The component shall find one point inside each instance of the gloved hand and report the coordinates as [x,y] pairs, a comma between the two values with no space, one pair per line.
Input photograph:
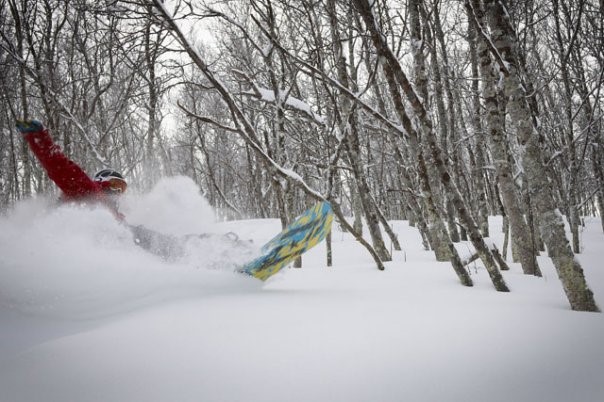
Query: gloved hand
[29,126]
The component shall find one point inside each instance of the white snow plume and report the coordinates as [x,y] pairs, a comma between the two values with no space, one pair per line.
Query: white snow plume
[174,206]
[77,261]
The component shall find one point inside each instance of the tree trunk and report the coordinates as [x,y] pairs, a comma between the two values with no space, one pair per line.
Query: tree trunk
[519,228]
[479,135]
[551,224]
[357,209]
[437,232]
[350,131]
[391,62]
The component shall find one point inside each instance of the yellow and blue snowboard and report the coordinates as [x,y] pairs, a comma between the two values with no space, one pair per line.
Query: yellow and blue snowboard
[308,230]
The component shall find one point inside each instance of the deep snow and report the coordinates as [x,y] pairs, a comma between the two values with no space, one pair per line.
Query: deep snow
[85,315]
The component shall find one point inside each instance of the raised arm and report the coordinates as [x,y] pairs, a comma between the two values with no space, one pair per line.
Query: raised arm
[67,175]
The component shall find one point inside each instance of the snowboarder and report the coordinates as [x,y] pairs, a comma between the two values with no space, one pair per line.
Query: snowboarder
[309,229]
[67,175]
[103,188]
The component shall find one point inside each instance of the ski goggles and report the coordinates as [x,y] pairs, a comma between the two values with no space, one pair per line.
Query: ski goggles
[114,185]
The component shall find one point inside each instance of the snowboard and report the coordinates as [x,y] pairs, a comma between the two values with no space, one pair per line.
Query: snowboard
[308,230]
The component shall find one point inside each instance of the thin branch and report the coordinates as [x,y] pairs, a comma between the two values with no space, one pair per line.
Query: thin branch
[207,119]
[55,98]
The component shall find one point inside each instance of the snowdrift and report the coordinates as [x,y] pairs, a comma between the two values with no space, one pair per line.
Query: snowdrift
[86,315]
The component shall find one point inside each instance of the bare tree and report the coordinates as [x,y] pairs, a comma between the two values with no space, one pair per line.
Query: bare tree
[551,225]
[495,123]
[365,10]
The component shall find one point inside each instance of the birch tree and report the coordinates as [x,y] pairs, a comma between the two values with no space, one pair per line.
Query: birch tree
[497,136]
[365,10]
[551,224]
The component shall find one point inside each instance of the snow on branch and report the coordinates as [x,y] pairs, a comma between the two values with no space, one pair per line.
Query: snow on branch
[268,96]
[245,128]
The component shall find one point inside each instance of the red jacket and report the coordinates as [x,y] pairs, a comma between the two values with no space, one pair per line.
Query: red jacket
[67,175]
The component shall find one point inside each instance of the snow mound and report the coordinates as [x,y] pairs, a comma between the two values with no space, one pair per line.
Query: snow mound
[74,260]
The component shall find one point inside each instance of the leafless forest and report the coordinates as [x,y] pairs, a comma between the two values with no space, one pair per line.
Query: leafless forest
[440,112]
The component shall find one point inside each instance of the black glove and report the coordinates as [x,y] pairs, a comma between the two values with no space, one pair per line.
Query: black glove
[29,126]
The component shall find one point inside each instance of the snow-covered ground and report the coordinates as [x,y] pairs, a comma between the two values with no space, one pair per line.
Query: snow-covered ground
[85,315]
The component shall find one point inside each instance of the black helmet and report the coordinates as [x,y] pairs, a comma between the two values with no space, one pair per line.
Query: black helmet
[111,180]
[107,174]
